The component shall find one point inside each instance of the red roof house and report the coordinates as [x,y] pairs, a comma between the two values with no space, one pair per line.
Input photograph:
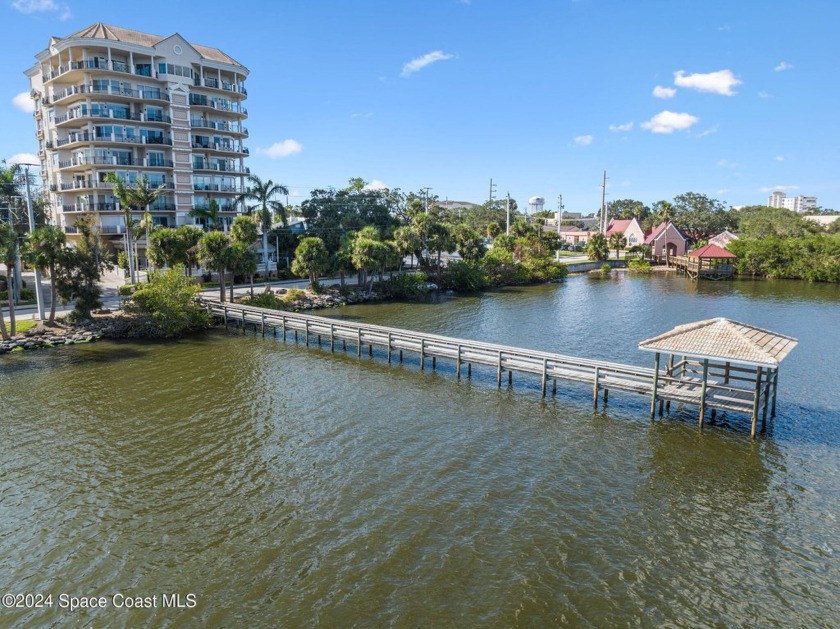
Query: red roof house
[629,228]
[666,240]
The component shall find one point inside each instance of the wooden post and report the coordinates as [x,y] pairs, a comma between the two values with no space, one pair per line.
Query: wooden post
[359,342]
[332,337]
[307,332]
[422,354]
[469,370]
[775,388]
[370,349]
[389,348]
[344,344]
[226,318]
[655,385]
[263,324]
[755,402]
[510,376]
[545,370]
[606,396]
[703,390]
[400,355]
[283,327]
[766,393]
[434,362]
[726,373]
[458,364]
[554,387]
[595,388]
[499,372]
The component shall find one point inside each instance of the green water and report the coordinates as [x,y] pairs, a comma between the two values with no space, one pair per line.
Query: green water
[287,487]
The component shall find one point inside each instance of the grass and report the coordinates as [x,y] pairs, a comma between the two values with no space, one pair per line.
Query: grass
[23,325]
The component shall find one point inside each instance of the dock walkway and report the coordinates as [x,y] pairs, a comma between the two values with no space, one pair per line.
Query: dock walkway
[677,382]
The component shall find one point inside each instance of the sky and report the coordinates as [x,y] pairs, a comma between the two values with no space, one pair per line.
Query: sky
[728,99]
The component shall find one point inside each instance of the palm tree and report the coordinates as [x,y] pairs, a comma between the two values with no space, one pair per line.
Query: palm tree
[8,256]
[617,241]
[45,245]
[215,252]
[123,193]
[210,215]
[262,193]
[143,195]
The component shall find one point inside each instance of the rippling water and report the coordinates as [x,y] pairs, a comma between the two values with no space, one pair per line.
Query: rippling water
[290,487]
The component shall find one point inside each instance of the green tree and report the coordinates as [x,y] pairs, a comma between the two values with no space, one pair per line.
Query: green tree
[243,261]
[757,221]
[190,236]
[123,194]
[244,232]
[79,270]
[143,195]
[597,247]
[311,259]
[8,256]
[407,241]
[368,254]
[167,248]
[169,300]
[698,216]
[470,244]
[262,194]
[617,241]
[627,209]
[46,245]
[215,252]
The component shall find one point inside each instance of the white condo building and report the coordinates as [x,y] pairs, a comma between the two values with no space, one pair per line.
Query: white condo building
[113,100]
[797,204]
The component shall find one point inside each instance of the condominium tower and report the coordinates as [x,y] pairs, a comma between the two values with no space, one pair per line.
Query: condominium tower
[797,204]
[113,100]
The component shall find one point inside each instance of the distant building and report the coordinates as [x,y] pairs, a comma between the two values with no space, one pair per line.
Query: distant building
[797,204]
[723,239]
[666,241]
[822,219]
[629,228]
[455,205]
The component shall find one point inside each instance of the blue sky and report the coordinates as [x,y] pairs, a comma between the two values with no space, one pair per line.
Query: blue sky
[728,98]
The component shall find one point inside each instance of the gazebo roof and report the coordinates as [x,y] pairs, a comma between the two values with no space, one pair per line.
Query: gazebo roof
[711,251]
[724,340]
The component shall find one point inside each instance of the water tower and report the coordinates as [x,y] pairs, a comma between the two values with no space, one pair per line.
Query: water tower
[535,204]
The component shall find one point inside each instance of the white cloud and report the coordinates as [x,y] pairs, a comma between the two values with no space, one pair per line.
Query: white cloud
[784,65]
[722,191]
[669,121]
[23,158]
[664,92]
[421,62]
[708,131]
[34,6]
[66,14]
[725,163]
[281,149]
[360,115]
[779,188]
[617,128]
[780,158]
[23,102]
[583,140]
[720,82]
[725,28]
[763,94]
[375,185]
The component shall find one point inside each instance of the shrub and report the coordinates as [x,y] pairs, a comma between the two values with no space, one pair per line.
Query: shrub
[265,300]
[127,289]
[168,301]
[404,286]
[639,266]
[606,268]
[293,295]
[465,276]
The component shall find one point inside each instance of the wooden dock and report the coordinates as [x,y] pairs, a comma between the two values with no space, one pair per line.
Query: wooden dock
[727,389]
[702,268]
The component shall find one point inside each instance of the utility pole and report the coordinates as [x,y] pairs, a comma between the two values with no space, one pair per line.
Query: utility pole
[425,192]
[603,221]
[38,294]
[559,211]
[492,190]
[507,211]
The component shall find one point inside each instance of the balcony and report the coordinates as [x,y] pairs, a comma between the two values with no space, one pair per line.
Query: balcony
[86,136]
[91,207]
[97,63]
[99,161]
[214,83]
[81,89]
[83,185]
[111,115]
[219,126]
[223,207]
[215,166]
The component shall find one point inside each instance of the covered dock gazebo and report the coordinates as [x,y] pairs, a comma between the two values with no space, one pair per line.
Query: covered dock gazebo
[711,262]
[722,365]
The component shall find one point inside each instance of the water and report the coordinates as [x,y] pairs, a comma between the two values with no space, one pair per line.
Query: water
[290,487]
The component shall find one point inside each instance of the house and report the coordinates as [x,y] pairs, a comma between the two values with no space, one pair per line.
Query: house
[629,228]
[723,239]
[666,241]
[572,234]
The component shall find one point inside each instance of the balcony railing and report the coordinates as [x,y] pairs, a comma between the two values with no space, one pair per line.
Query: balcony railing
[92,64]
[225,168]
[218,126]
[111,115]
[216,84]
[82,185]
[147,94]
[86,136]
[98,161]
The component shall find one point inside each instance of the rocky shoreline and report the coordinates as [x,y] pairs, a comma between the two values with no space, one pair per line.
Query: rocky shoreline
[49,336]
